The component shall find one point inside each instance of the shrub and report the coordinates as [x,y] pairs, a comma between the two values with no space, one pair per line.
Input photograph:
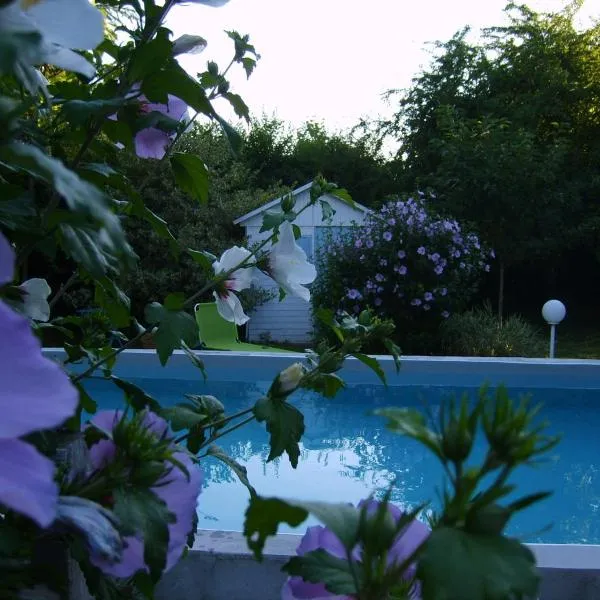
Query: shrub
[478,332]
[406,263]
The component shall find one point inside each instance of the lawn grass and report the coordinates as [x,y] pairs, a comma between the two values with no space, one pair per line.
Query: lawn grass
[577,342]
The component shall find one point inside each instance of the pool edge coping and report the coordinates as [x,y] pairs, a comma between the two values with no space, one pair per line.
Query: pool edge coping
[233,544]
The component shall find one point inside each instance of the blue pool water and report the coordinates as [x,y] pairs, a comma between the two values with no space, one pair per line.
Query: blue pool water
[346,453]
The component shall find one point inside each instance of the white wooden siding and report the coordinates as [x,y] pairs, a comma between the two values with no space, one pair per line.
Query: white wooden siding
[290,320]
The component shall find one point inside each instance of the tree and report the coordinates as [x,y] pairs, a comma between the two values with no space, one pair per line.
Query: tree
[508,131]
[275,152]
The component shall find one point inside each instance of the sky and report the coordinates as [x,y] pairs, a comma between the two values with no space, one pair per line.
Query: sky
[331,60]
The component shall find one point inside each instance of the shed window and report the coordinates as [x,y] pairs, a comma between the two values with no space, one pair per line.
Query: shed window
[306,243]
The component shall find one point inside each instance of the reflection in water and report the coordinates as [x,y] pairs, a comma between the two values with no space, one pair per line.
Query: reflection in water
[347,453]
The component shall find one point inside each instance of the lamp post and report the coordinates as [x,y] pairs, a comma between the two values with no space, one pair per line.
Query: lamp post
[554,312]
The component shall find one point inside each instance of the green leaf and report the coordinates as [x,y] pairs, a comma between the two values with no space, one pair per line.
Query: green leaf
[328,384]
[17,47]
[174,80]
[327,317]
[194,359]
[204,259]
[151,56]
[183,416]
[78,112]
[265,514]
[249,64]
[81,244]
[138,208]
[173,327]
[236,467]
[135,396]
[327,210]
[373,364]
[232,135]
[79,194]
[263,517]
[456,565]
[142,511]
[318,566]
[411,423]
[175,301]
[285,423]
[113,300]
[272,219]
[239,106]
[16,207]
[191,175]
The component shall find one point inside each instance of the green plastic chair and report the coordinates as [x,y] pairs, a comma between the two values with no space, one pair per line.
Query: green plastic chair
[218,334]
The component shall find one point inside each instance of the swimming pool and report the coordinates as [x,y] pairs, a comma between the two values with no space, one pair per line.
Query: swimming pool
[347,453]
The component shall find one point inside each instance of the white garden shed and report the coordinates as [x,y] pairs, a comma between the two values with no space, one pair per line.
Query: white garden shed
[290,320]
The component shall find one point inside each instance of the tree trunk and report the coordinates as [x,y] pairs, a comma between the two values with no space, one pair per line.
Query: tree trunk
[501,294]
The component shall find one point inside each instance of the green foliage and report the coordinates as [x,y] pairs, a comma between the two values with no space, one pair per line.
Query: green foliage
[405,263]
[479,332]
[285,423]
[505,568]
[507,131]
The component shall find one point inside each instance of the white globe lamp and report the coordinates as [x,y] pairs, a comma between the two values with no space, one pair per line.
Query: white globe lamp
[554,311]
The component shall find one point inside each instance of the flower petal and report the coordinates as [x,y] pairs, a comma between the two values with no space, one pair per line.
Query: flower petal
[189,44]
[94,522]
[35,393]
[7,261]
[27,481]
[69,23]
[151,143]
[231,258]
[68,60]
[213,3]
[181,496]
[35,301]
[230,308]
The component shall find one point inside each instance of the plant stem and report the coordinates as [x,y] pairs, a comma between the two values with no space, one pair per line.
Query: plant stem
[241,413]
[109,357]
[226,431]
[63,288]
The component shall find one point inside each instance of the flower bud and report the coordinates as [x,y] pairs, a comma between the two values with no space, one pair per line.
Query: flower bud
[288,380]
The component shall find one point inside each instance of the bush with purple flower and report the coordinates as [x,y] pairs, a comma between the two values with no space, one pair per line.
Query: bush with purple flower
[420,269]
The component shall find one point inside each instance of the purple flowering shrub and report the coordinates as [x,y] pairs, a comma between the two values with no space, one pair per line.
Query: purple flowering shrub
[405,263]
[318,537]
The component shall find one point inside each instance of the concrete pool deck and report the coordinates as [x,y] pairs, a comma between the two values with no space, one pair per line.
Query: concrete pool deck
[219,567]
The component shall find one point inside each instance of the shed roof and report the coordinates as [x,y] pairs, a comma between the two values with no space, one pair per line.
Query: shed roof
[257,211]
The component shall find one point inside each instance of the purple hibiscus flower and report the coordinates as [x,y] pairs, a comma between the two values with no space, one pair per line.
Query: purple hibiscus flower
[319,537]
[416,302]
[402,270]
[383,262]
[35,394]
[353,294]
[421,250]
[179,493]
[439,269]
[153,142]
[445,314]
[379,277]
[435,257]
[428,296]
[358,243]
[369,243]
[401,254]
[387,236]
